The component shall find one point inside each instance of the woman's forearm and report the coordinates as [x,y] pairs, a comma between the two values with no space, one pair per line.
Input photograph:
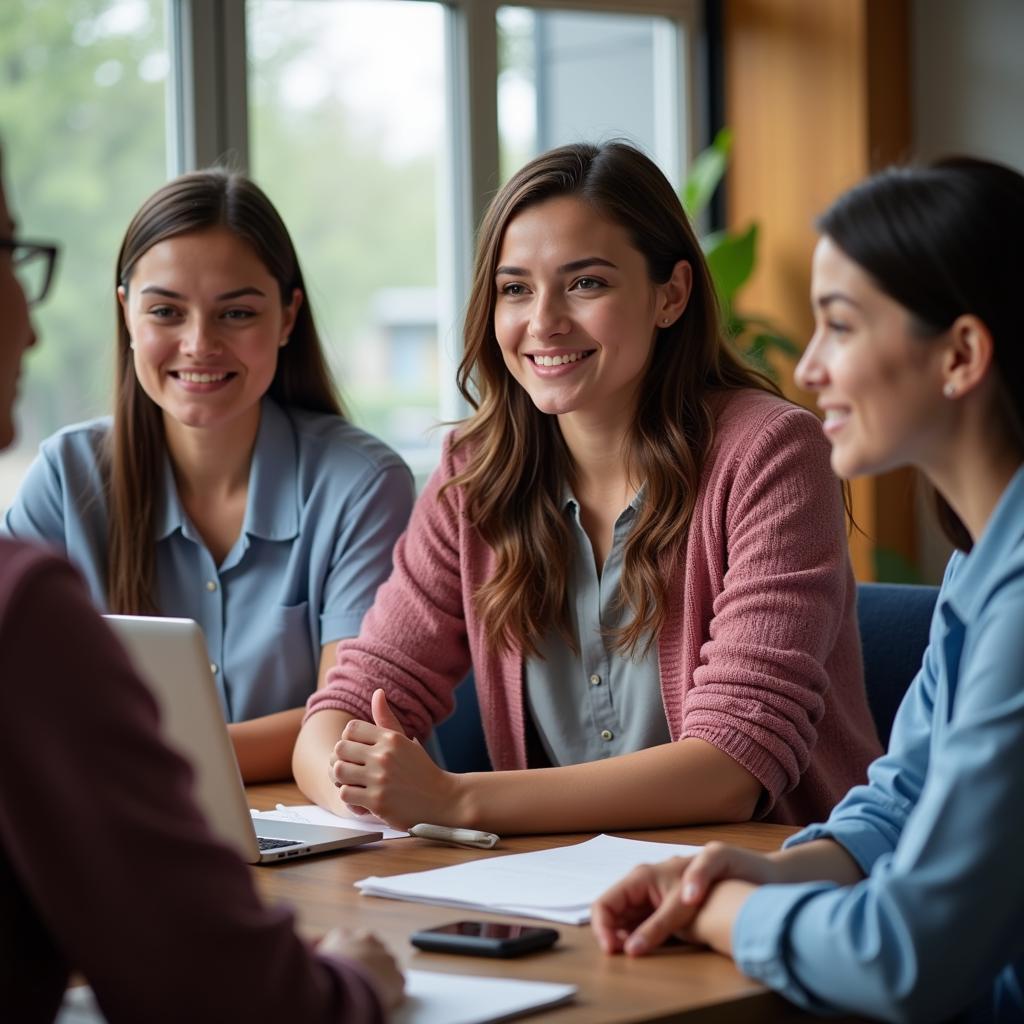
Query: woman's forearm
[678,783]
[263,746]
[311,759]
[822,860]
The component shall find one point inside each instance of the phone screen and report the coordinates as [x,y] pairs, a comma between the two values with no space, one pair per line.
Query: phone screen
[486,929]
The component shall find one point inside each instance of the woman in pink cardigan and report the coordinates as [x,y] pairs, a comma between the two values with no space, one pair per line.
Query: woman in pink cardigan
[634,542]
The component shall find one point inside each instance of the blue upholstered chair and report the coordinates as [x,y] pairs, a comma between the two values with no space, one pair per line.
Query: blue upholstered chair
[461,734]
[894,623]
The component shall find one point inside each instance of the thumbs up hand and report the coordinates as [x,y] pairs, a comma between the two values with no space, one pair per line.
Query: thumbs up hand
[380,769]
[383,716]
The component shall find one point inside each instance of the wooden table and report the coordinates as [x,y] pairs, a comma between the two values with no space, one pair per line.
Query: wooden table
[678,984]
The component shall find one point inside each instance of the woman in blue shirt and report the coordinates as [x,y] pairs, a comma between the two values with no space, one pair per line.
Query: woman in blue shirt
[228,487]
[908,903]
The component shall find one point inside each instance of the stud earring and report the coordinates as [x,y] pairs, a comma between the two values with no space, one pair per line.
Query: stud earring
[949,389]
[666,321]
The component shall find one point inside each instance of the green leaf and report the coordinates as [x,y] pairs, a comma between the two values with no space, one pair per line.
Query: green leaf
[730,260]
[755,357]
[705,173]
[766,340]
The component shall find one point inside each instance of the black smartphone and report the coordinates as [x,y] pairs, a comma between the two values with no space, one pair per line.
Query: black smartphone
[485,938]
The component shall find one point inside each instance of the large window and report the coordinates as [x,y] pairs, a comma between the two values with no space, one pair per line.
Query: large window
[380,128]
[82,126]
[347,134]
[578,75]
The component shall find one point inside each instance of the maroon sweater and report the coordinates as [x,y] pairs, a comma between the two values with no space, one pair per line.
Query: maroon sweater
[106,866]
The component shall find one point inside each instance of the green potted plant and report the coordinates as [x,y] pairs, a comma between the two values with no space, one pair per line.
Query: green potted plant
[731,258]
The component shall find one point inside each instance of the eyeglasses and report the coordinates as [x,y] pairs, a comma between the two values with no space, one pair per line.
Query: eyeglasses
[33,264]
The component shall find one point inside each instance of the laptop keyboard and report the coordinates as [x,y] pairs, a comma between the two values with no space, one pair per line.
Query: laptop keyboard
[274,844]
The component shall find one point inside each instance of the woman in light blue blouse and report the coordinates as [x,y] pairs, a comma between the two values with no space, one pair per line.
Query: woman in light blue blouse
[228,487]
[908,903]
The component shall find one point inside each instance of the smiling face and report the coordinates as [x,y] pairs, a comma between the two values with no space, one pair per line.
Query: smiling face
[878,383]
[576,313]
[206,321]
[16,333]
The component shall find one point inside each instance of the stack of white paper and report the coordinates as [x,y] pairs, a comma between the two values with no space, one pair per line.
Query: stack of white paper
[310,814]
[554,885]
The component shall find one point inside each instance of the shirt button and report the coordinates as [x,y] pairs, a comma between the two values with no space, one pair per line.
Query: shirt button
[595,680]
[607,734]
[213,667]
[211,585]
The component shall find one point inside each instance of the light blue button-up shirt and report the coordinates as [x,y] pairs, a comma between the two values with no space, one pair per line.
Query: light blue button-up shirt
[326,503]
[937,927]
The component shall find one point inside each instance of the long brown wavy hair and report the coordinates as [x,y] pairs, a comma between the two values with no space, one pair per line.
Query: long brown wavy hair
[517,459]
[135,453]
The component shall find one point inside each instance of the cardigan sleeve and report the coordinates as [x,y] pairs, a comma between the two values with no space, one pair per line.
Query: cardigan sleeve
[107,863]
[758,691]
[870,819]
[413,640]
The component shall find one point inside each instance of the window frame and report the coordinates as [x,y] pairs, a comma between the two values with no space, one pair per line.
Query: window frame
[207,116]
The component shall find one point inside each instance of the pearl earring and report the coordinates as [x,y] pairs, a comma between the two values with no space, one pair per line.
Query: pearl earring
[949,389]
[665,321]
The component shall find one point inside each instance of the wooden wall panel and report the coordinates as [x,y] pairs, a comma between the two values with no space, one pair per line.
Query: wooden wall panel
[817,93]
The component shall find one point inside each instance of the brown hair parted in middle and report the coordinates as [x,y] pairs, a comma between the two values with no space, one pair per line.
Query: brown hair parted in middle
[134,459]
[517,459]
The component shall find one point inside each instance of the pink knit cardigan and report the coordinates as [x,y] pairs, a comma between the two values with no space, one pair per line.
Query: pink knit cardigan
[759,653]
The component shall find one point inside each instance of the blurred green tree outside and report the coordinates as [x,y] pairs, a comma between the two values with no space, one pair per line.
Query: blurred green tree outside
[82,131]
[364,218]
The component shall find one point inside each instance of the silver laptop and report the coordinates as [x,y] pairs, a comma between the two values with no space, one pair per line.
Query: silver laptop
[170,656]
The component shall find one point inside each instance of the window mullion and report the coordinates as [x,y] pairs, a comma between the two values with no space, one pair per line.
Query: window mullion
[471,62]
[208,116]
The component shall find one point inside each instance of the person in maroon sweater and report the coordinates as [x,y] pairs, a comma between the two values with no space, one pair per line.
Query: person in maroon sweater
[107,867]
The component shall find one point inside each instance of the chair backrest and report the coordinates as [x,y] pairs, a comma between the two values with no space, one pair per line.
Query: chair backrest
[461,734]
[894,624]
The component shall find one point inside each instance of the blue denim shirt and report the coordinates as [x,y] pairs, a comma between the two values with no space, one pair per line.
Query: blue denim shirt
[326,504]
[937,927]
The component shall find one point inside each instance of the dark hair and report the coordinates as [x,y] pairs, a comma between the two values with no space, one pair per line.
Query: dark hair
[518,460]
[135,455]
[944,241]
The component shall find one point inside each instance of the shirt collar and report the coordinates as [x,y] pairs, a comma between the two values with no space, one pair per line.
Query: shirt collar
[571,504]
[271,511]
[999,550]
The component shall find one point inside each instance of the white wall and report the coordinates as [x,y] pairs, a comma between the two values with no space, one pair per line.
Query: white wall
[967,81]
[968,78]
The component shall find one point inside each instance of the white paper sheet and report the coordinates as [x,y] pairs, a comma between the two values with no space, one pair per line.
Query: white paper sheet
[553,885]
[310,814]
[430,998]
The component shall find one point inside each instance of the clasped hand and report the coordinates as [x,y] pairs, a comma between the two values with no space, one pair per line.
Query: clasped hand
[379,770]
[692,898]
